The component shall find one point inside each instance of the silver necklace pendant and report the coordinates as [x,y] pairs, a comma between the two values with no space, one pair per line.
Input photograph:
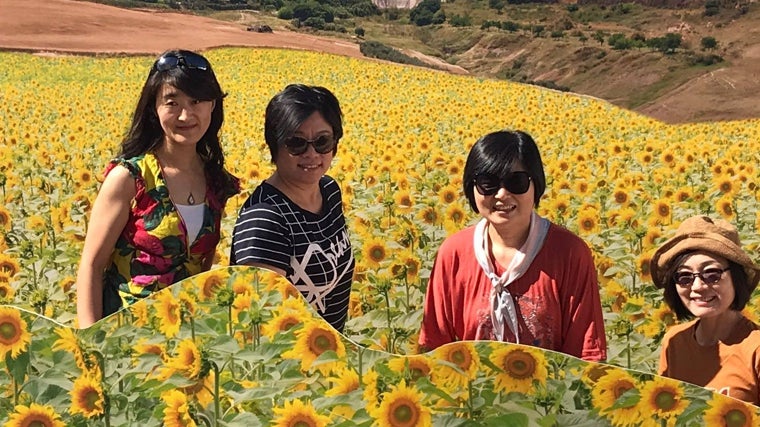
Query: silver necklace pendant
[190,199]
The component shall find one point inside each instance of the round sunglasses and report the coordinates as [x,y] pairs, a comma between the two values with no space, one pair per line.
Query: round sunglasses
[172,60]
[323,144]
[514,182]
[710,276]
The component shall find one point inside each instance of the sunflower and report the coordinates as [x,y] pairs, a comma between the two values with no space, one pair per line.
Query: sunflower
[214,281]
[355,305]
[5,219]
[403,200]
[465,360]
[725,186]
[428,215]
[298,414]
[620,196]
[200,390]
[725,207]
[87,397]
[6,291]
[345,381]
[605,394]
[188,360]
[36,223]
[14,338]
[448,194]
[281,323]
[519,368]
[168,313]
[314,339]
[662,211]
[588,220]
[139,311]
[374,252]
[177,411]
[413,367]
[402,407]
[663,397]
[371,392]
[724,411]
[34,415]
[456,214]
[9,265]
[241,304]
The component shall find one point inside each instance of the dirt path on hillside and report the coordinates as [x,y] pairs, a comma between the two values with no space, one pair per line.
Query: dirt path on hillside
[69,26]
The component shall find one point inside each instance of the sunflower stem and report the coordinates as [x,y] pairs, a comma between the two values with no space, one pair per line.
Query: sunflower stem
[216,392]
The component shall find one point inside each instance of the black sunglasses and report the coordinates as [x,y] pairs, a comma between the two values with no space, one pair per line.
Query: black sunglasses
[189,60]
[322,145]
[710,276]
[514,182]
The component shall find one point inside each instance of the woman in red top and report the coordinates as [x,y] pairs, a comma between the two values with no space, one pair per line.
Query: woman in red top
[513,276]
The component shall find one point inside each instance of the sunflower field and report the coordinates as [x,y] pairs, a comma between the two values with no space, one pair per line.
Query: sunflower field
[620,180]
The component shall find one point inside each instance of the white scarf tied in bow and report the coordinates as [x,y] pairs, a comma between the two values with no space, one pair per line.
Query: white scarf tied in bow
[504,312]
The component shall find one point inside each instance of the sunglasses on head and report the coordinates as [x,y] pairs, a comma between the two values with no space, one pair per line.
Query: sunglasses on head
[514,182]
[710,276]
[173,60]
[322,145]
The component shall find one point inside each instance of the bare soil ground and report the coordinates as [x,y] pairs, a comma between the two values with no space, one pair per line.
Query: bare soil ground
[69,26]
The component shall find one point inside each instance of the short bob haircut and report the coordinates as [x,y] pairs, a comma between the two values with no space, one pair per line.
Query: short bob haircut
[742,289]
[499,153]
[291,107]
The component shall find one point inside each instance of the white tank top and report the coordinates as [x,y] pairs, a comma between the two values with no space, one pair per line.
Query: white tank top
[192,215]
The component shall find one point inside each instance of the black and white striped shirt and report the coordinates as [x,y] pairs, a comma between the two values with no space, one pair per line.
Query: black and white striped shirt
[313,249]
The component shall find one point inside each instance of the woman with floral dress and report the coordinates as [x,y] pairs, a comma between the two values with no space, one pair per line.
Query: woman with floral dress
[157,215]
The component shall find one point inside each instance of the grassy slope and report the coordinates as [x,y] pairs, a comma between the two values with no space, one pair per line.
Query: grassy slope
[635,79]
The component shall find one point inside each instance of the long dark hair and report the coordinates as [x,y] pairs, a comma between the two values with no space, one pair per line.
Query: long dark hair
[145,133]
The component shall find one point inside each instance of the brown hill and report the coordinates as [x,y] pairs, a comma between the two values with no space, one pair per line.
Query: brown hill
[723,92]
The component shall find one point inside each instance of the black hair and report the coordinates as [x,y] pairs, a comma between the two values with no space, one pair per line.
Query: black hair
[496,154]
[145,133]
[742,290]
[288,109]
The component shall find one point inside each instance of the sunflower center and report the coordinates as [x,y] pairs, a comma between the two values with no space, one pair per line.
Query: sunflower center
[621,387]
[520,365]
[403,413]
[665,400]
[91,398]
[321,342]
[302,422]
[735,418]
[7,331]
[377,253]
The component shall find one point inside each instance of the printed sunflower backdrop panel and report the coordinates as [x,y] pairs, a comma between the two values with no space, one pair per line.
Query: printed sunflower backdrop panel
[239,346]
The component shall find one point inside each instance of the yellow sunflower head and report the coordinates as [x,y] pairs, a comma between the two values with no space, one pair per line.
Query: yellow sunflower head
[374,252]
[34,415]
[296,413]
[345,381]
[519,368]
[402,406]
[177,410]
[663,397]
[168,313]
[87,397]
[14,337]
[313,340]
[724,411]
[413,367]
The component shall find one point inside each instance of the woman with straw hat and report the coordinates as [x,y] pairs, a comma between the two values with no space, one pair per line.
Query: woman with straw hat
[707,278]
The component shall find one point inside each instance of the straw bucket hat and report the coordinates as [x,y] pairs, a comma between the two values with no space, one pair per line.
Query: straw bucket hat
[700,232]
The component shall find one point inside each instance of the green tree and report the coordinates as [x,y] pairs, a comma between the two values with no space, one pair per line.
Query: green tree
[359,31]
[709,43]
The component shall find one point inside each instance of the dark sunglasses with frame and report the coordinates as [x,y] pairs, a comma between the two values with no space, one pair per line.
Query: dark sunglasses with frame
[190,61]
[297,145]
[709,276]
[514,182]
